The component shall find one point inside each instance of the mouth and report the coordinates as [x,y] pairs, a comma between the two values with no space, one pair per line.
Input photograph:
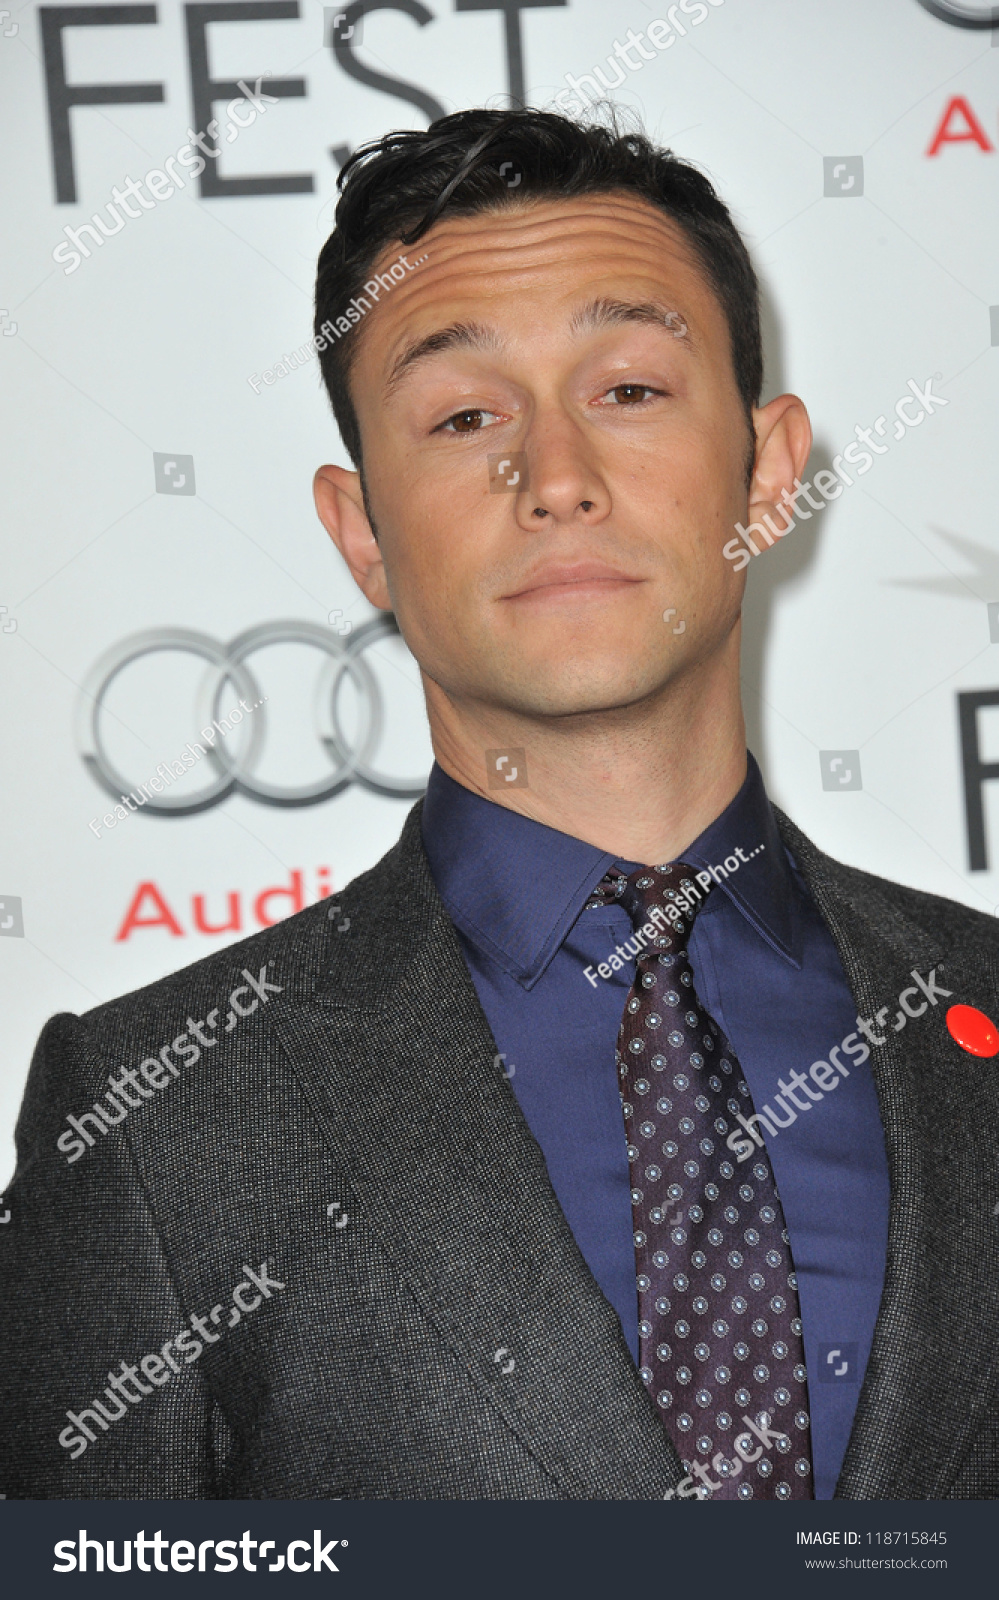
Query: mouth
[582,580]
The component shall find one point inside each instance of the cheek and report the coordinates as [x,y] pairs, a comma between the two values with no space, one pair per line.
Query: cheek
[673,499]
[427,558]
[691,459]
[710,488]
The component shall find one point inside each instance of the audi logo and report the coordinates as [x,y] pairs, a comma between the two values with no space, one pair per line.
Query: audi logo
[233,765]
[964,13]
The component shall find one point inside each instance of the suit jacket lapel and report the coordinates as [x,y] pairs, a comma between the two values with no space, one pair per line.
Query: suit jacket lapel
[397,1061]
[932,1366]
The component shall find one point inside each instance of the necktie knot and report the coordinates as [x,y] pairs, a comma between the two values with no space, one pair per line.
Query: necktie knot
[662,900]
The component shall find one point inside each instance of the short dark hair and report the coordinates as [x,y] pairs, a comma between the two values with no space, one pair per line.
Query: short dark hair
[397,187]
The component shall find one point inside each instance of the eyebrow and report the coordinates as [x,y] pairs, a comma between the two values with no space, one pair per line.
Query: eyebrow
[459,336]
[603,313]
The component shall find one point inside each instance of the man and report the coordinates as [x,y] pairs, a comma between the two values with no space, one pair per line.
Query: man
[610,1140]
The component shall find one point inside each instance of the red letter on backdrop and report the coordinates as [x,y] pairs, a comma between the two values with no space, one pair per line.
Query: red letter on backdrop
[973,129]
[296,894]
[166,918]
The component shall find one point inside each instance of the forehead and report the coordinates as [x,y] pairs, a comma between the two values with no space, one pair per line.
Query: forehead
[531,264]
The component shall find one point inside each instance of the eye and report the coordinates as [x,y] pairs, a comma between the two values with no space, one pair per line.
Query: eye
[471,421]
[630,394]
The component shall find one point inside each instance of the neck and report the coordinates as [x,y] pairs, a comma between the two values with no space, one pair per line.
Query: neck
[640,782]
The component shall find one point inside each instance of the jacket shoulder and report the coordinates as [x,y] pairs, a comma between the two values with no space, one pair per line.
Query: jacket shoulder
[291,952]
[896,905]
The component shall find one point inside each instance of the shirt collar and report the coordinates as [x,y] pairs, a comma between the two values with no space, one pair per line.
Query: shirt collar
[763,888]
[514,887]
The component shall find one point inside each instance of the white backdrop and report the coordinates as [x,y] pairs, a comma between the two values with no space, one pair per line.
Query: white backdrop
[862,627]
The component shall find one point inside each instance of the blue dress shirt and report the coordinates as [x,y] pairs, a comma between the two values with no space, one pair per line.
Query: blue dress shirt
[765,968]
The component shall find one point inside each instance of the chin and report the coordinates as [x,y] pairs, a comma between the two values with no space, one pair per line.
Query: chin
[560,688]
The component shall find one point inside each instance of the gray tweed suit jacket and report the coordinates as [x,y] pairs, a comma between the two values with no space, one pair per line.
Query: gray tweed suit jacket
[446,1340]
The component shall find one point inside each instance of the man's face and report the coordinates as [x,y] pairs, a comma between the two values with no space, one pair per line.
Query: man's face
[578,340]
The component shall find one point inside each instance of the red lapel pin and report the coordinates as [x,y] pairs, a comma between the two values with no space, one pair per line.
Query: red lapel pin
[973,1031]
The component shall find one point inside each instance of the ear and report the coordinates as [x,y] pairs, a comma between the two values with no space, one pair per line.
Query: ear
[340,505]
[783,445]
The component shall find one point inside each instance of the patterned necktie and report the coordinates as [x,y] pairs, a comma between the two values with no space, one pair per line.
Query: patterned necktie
[721,1351]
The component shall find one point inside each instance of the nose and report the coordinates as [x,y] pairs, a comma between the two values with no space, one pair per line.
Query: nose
[564,485]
